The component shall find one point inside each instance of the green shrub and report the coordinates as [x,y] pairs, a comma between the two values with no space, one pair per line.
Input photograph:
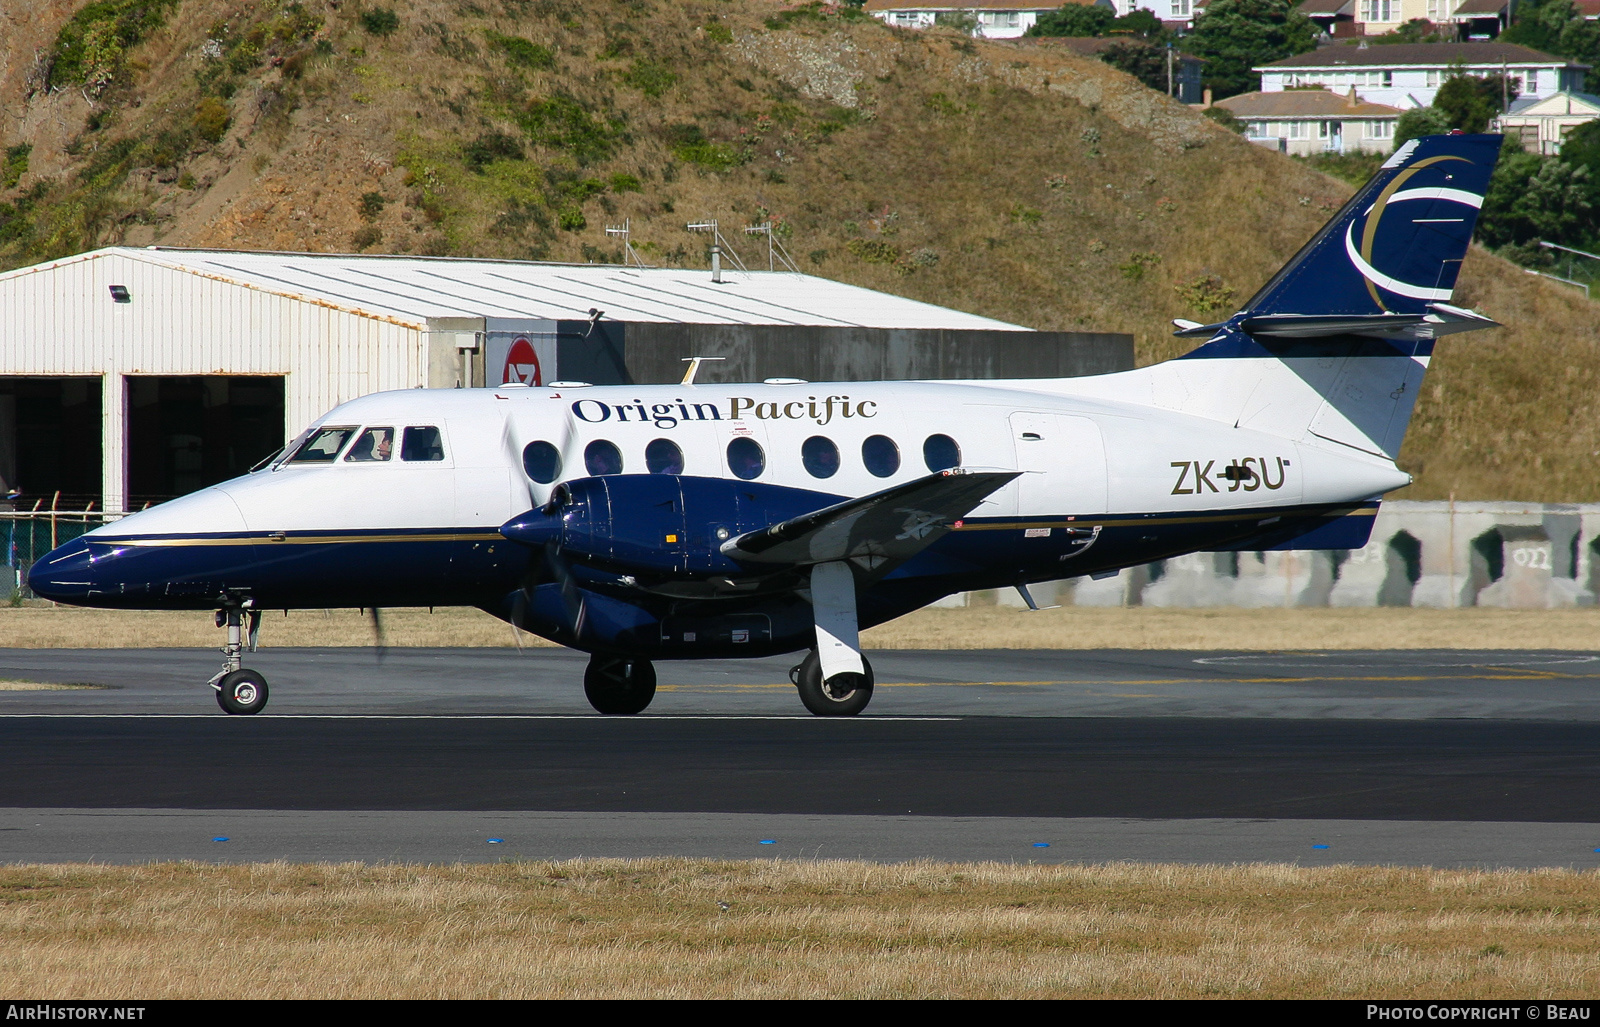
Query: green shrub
[874,251]
[15,165]
[371,206]
[942,104]
[719,33]
[690,145]
[211,119]
[89,49]
[522,52]
[561,123]
[1025,215]
[571,219]
[380,21]
[364,237]
[1138,264]
[649,78]
[490,147]
[1205,294]
[622,182]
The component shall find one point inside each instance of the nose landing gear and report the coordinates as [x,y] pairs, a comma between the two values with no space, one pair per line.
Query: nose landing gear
[618,684]
[239,691]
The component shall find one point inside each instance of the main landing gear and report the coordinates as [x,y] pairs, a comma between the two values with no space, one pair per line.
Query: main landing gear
[619,684]
[239,691]
[845,694]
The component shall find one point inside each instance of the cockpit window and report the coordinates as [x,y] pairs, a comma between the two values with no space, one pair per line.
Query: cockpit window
[374,445]
[323,446]
[422,444]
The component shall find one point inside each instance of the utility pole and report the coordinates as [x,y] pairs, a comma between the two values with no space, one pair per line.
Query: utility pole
[1169,69]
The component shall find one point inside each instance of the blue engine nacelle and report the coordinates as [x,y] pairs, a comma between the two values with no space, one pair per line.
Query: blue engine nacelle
[658,524]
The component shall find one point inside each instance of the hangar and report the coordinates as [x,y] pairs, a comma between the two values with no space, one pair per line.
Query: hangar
[132,375]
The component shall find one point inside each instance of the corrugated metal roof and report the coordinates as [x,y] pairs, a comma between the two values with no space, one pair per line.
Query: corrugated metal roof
[417,288]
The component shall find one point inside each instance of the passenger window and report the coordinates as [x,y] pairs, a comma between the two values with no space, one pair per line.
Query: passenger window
[820,456]
[375,444]
[322,447]
[745,458]
[941,452]
[422,444]
[662,456]
[601,457]
[542,461]
[881,455]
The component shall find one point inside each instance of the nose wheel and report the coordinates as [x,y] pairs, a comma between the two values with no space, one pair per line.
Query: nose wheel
[617,684]
[845,694]
[239,691]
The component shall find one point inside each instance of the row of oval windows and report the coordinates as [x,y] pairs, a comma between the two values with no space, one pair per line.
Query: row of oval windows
[879,454]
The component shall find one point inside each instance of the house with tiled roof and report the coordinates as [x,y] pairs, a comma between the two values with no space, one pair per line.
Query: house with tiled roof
[1408,75]
[1308,121]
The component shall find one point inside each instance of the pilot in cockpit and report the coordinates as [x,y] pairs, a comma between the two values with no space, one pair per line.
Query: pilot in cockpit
[375,444]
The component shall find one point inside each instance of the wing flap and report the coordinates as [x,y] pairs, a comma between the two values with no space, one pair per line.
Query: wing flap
[876,531]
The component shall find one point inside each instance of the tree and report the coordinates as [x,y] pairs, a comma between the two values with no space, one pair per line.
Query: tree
[1462,102]
[1234,36]
[1144,62]
[1420,121]
[1532,198]
[1582,147]
[1074,20]
[1554,26]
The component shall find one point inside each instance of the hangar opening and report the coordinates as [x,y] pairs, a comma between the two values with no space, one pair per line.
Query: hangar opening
[187,432]
[50,442]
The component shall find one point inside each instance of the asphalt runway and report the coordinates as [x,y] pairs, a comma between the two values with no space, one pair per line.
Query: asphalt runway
[1442,758]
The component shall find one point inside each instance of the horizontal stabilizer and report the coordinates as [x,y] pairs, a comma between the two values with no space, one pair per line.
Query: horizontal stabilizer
[876,531]
[1440,319]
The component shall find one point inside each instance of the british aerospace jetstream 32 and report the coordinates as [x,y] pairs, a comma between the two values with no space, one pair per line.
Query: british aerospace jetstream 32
[642,523]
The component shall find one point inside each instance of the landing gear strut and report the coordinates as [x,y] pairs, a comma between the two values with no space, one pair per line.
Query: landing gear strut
[843,695]
[619,684]
[238,690]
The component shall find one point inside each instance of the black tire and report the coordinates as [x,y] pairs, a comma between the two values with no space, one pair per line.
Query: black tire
[618,684]
[243,692]
[843,695]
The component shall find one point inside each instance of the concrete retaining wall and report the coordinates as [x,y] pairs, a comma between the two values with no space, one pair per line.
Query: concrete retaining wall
[1527,556]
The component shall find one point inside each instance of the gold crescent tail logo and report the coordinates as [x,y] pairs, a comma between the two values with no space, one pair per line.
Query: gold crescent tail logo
[1370,231]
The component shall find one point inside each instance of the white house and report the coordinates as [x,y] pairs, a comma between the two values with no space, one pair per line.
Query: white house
[1408,75]
[1543,123]
[997,19]
[1308,121]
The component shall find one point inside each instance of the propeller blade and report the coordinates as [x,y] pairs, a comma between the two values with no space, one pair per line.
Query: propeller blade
[377,633]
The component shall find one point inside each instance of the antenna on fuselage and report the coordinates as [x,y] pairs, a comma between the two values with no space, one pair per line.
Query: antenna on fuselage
[694,368]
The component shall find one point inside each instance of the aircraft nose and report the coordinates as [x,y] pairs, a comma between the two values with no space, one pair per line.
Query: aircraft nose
[65,574]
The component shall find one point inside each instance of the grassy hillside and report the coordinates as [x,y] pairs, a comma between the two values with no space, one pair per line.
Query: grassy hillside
[1016,181]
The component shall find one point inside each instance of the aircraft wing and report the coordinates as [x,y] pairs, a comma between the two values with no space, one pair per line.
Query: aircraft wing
[875,532]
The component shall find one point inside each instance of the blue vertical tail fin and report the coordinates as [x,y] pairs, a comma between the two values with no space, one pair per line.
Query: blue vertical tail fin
[1397,246]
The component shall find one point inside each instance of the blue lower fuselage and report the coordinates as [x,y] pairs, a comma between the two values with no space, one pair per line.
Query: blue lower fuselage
[598,609]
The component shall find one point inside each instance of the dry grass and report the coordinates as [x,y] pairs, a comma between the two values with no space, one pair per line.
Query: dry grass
[1079,627]
[653,928]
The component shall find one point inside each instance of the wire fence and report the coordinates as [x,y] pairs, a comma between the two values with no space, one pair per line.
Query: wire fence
[30,534]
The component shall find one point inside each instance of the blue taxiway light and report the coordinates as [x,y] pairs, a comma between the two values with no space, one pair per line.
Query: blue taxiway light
[496,841]
[1041,845]
[769,841]
[224,839]
[1319,846]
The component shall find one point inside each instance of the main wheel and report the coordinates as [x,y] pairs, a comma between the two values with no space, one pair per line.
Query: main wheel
[242,692]
[843,695]
[618,684]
